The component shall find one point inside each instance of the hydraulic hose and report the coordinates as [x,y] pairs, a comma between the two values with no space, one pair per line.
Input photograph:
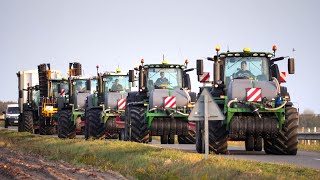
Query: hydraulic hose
[273,109]
[230,102]
[277,84]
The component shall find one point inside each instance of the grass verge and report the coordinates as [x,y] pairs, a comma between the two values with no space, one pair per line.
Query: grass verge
[146,162]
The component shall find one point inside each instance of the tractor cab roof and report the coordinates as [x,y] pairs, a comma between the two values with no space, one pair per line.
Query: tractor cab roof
[246,54]
[176,66]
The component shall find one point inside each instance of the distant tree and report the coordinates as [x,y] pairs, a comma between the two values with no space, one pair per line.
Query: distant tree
[309,119]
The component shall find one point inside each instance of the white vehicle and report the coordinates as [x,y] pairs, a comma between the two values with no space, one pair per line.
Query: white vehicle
[12,114]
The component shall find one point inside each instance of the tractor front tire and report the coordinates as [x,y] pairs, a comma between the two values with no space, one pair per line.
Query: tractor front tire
[66,127]
[95,128]
[46,129]
[218,137]
[20,123]
[199,137]
[139,128]
[187,139]
[27,121]
[286,142]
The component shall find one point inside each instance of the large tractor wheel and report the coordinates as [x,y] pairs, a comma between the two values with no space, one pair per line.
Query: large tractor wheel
[187,139]
[66,127]
[27,121]
[218,137]
[20,123]
[286,142]
[139,128]
[95,128]
[199,137]
[46,129]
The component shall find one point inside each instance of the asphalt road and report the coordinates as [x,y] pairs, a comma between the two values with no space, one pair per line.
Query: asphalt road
[303,158]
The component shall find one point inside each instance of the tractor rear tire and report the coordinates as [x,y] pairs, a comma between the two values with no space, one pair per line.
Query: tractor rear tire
[95,128]
[187,139]
[139,128]
[249,143]
[218,137]
[258,144]
[286,142]
[199,137]
[27,121]
[66,127]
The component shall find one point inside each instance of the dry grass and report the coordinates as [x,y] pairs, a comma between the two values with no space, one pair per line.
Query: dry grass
[145,162]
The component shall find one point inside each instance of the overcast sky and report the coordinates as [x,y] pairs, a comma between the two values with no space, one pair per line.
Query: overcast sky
[112,33]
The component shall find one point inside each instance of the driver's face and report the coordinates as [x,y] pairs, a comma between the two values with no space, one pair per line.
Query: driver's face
[162,75]
[243,66]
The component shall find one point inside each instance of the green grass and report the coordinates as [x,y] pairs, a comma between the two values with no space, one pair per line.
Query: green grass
[142,161]
[311,147]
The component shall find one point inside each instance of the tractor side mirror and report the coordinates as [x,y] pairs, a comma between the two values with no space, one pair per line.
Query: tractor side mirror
[291,65]
[275,72]
[186,81]
[59,88]
[88,85]
[131,75]
[20,94]
[199,67]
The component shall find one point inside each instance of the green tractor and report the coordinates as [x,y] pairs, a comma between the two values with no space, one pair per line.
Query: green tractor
[257,109]
[106,108]
[161,105]
[29,111]
[71,107]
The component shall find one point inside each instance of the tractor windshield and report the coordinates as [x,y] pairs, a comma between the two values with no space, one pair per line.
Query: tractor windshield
[164,78]
[94,84]
[36,96]
[254,68]
[54,88]
[80,85]
[117,83]
[54,91]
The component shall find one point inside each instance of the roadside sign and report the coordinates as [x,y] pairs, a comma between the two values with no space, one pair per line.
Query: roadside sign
[205,77]
[214,112]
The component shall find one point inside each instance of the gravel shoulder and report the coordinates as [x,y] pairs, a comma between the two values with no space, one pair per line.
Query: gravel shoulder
[17,165]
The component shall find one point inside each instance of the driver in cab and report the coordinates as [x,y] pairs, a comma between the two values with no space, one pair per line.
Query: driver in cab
[243,72]
[162,81]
